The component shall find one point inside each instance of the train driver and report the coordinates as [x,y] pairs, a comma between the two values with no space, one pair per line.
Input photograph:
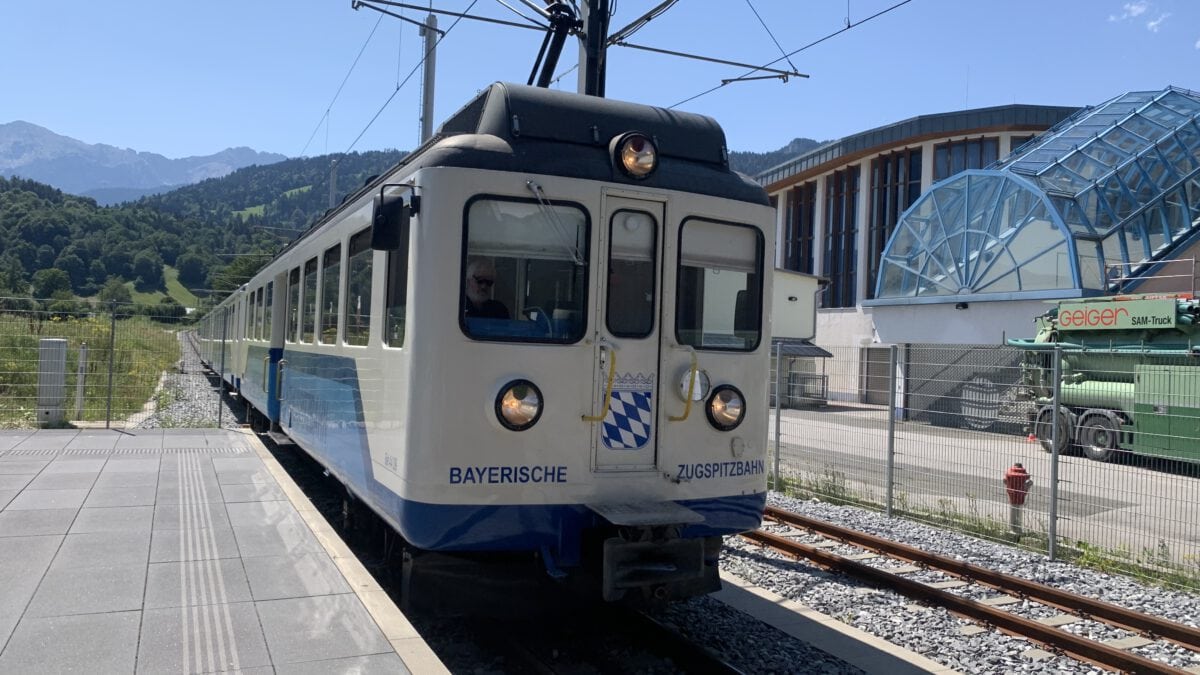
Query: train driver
[481,278]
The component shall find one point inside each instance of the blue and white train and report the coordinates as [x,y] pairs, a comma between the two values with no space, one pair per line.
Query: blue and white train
[604,414]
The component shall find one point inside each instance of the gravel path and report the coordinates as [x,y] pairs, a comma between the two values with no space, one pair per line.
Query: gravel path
[190,400]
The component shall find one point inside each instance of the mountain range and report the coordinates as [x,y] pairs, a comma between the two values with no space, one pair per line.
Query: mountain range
[111,175]
[106,173]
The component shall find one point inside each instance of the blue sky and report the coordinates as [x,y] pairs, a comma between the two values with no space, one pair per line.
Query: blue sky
[184,79]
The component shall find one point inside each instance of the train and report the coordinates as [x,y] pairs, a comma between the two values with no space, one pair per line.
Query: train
[539,338]
[1129,376]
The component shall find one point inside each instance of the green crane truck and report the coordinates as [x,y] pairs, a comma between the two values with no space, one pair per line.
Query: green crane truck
[1129,376]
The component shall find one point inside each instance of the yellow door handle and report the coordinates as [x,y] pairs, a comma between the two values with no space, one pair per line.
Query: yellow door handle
[612,372]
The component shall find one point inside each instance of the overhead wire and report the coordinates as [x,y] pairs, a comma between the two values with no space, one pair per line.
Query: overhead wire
[772,35]
[848,26]
[345,79]
[407,78]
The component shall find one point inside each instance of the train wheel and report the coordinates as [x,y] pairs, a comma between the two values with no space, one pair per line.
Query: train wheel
[1042,428]
[1098,435]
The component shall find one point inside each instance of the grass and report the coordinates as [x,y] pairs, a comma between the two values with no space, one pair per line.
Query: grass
[140,298]
[141,351]
[296,191]
[252,211]
[176,290]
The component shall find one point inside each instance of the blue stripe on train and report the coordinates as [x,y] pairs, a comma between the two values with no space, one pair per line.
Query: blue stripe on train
[322,410]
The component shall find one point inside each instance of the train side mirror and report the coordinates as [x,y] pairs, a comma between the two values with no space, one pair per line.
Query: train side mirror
[389,222]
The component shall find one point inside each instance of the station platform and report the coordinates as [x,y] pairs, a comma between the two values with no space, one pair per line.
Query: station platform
[179,550]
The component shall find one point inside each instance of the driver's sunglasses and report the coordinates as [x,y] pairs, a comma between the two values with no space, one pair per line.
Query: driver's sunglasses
[484,281]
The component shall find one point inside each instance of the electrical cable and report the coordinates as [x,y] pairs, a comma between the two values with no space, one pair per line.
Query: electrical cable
[339,89]
[772,35]
[791,54]
[408,77]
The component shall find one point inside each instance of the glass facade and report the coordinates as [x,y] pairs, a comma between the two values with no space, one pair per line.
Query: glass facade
[841,237]
[801,209]
[1099,197]
[895,185]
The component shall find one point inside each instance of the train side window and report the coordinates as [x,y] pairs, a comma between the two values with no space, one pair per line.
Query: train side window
[310,301]
[331,268]
[293,305]
[268,295]
[257,333]
[718,301]
[358,288]
[524,271]
[397,293]
[632,244]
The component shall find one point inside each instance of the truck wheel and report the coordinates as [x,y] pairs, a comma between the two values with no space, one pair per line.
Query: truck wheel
[1098,435]
[1042,428]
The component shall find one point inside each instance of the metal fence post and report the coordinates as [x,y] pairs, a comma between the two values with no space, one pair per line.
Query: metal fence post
[1054,445]
[891,439]
[778,414]
[80,379]
[112,356]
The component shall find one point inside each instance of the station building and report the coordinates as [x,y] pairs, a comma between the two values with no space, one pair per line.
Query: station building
[957,228]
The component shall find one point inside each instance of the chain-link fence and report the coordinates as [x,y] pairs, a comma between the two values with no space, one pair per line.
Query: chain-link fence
[78,364]
[1109,442]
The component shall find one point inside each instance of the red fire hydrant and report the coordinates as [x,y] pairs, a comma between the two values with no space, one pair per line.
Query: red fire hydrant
[1017,483]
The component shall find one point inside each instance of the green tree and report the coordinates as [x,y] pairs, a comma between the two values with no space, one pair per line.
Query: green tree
[147,268]
[115,290]
[192,271]
[73,265]
[51,283]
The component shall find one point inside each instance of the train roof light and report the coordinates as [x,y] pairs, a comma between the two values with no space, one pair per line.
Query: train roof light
[636,154]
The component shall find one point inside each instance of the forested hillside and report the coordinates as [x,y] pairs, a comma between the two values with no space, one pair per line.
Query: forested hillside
[206,235]
[53,244]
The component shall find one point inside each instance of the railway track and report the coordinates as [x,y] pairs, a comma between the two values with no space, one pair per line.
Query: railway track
[990,612]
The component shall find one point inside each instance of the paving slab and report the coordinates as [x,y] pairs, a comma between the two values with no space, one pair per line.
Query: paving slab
[204,638]
[91,643]
[112,519]
[179,551]
[24,523]
[9,439]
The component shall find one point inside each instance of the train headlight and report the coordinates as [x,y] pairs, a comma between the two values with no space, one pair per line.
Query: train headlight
[636,154]
[726,407]
[519,405]
[699,388]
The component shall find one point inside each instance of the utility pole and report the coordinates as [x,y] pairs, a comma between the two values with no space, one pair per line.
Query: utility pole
[594,47]
[333,183]
[430,32]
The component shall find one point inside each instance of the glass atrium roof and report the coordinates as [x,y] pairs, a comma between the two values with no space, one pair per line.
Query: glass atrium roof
[1100,196]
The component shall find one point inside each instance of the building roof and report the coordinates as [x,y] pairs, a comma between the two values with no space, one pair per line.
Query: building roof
[915,129]
[1100,196]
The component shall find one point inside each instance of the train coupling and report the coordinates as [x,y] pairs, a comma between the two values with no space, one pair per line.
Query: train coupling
[648,557]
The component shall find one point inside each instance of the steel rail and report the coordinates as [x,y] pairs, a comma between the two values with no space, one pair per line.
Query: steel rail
[1080,605]
[1079,647]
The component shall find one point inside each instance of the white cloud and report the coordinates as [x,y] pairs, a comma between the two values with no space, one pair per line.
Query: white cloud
[1197,44]
[1154,25]
[1132,10]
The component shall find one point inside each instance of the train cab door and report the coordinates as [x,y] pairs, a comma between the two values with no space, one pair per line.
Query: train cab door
[629,321]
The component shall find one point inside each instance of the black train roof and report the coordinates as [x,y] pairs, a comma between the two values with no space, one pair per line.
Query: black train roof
[510,127]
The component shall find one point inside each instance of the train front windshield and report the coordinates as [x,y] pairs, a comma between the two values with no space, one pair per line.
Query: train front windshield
[525,272]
